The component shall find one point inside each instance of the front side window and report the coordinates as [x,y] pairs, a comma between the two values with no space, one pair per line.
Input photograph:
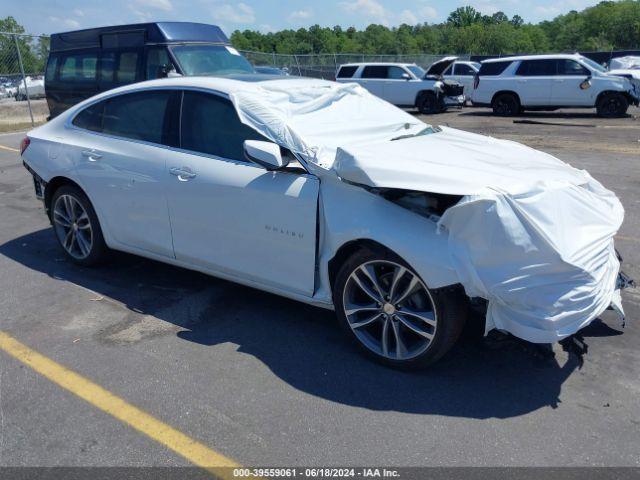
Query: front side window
[463,69]
[395,73]
[211,125]
[210,60]
[157,62]
[571,67]
[374,71]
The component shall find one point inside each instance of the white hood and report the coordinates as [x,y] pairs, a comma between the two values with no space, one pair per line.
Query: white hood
[453,162]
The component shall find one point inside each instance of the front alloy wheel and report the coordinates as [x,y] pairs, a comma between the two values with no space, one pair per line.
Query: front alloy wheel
[389,310]
[391,313]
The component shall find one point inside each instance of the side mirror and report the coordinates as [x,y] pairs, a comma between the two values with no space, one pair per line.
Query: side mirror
[406,76]
[586,83]
[265,154]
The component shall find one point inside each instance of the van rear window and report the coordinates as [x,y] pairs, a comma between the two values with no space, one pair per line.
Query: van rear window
[493,68]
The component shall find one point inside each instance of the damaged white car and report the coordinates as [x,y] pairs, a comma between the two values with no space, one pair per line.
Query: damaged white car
[324,193]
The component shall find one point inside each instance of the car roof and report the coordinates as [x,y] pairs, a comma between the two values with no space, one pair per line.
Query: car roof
[383,64]
[534,57]
[227,84]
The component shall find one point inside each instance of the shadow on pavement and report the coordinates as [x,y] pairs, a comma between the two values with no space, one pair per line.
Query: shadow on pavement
[531,115]
[304,347]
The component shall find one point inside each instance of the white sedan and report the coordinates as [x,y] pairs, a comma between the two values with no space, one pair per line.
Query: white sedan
[324,193]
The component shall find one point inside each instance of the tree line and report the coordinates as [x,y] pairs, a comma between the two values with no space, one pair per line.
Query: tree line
[607,26]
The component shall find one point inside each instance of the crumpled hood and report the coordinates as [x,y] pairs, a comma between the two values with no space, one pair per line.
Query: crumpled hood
[453,162]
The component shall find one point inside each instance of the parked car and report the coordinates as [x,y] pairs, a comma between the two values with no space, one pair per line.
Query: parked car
[548,82]
[461,71]
[34,88]
[346,202]
[85,62]
[404,84]
[270,70]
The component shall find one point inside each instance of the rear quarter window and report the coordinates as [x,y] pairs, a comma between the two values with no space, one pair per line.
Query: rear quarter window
[493,68]
[346,72]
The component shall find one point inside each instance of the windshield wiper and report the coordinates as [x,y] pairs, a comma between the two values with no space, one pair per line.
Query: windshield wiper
[424,131]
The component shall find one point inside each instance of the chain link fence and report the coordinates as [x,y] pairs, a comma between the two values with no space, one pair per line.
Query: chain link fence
[22,63]
[324,65]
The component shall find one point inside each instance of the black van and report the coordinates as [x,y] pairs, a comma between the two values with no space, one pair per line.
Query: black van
[86,62]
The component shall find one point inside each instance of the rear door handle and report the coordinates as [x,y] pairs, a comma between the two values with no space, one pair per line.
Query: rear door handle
[183,173]
[91,155]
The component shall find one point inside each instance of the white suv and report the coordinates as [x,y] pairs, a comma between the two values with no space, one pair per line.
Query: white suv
[547,82]
[404,85]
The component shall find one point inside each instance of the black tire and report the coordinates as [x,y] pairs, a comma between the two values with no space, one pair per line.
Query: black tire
[98,250]
[506,105]
[450,307]
[612,104]
[429,103]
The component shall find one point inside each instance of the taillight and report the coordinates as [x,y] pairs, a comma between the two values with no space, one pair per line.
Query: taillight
[24,144]
[476,81]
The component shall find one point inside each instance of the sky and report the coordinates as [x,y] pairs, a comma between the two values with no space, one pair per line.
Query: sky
[50,16]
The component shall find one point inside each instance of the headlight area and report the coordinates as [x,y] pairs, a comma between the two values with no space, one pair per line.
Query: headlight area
[429,205]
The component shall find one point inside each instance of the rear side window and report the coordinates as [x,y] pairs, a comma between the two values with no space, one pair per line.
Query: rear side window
[374,71]
[211,125]
[147,116]
[79,68]
[346,72]
[536,68]
[90,118]
[493,68]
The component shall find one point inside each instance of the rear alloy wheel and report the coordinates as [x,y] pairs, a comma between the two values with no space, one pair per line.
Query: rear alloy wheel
[76,226]
[612,104]
[389,311]
[506,105]
[429,103]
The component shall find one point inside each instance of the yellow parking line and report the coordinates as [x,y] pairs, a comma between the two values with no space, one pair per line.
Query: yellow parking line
[9,148]
[192,450]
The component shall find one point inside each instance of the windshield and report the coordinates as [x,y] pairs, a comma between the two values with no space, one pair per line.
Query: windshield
[596,66]
[416,70]
[210,60]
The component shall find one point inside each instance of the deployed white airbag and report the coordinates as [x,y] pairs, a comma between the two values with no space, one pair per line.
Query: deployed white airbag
[543,259]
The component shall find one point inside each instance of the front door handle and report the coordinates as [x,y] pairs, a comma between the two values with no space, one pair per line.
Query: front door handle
[91,155]
[183,173]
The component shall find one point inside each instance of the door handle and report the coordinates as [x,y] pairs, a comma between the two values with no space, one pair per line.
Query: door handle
[183,173]
[91,155]
[558,80]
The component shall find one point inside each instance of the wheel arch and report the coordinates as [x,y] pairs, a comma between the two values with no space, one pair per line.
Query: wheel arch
[501,92]
[423,92]
[619,92]
[349,248]
[54,184]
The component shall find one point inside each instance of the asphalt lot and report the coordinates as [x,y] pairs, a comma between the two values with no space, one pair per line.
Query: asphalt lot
[268,381]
